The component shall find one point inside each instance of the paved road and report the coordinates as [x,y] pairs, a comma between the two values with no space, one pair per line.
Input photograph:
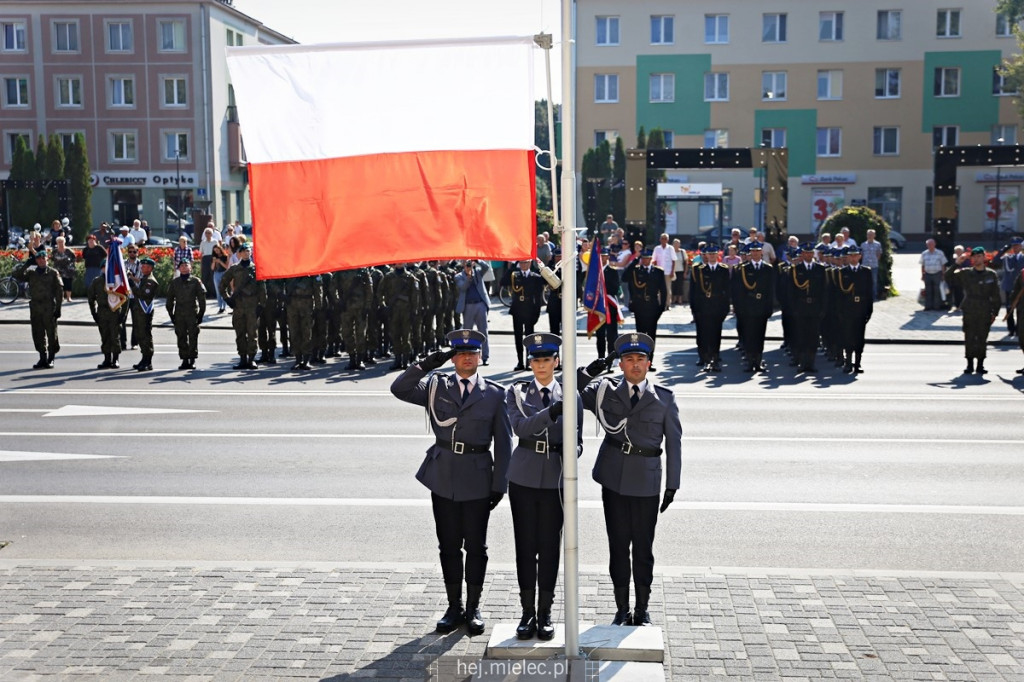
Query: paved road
[831,526]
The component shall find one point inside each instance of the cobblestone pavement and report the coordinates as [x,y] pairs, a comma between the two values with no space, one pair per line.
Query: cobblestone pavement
[130,621]
[898,319]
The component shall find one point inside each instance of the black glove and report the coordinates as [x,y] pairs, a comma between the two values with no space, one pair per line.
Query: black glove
[436,359]
[555,411]
[496,499]
[598,366]
[667,500]
[230,300]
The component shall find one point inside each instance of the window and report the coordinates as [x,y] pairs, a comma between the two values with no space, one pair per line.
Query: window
[999,84]
[716,137]
[887,83]
[122,91]
[947,82]
[234,38]
[67,139]
[662,30]
[119,36]
[14,36]
[830,26]
[122,146]
[11,142]
[830,141]
[174,92]
[65,36]
[172,35]
[773,137]
[16,91]
[606,87]
[773,85]
[830,84]
[1006,133]
[175,146]
[945,136]
[663,87]
[890,25]
[607,30]
[1004,29]
[69,91]
[888,203]
[716,28]
[606,135]
[773,28]
[947,23]
[670,139]
[886,141]
[716,87]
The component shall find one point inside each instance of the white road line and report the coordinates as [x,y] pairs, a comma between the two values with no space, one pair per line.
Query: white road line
[394,436]
[18,456]
[799,507]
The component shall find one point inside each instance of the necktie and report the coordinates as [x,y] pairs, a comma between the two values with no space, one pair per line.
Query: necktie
[636,396]
[465,389]
[545,396]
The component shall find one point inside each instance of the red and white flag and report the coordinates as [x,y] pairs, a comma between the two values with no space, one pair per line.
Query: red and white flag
[381,153]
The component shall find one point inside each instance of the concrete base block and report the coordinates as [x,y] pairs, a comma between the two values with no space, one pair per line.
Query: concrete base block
[598,642]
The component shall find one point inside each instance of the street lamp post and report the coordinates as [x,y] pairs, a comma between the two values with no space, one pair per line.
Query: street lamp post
[760,191]
[177,182]
[999,203]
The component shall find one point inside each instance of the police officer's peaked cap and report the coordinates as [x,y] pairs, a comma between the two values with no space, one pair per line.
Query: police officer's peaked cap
[634,342]
[755,246]
[147,261]
[647,253]
[604,251]
[1017,240]
[468,340]
[542,345]
[808,246]
[977,249]
[852,249]
[710,248]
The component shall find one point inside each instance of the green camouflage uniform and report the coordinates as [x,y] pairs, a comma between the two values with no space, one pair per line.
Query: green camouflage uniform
[248,297]
[108,321]
[980,306]
[46,292]
[399,296]
[186,305]
[302,297]
[355,300]
[143,293]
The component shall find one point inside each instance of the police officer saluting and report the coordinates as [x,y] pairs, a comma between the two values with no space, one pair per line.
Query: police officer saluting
[980,306]
[535,483]
[637,417]
[467,414]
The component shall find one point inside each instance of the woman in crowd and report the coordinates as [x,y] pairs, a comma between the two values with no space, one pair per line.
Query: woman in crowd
[94,256]
[681,284]
[220,264]
[64,264]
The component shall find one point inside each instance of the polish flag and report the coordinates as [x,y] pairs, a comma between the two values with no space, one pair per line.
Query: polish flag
[382,153]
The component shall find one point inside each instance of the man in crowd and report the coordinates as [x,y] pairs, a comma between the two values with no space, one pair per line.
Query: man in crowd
[933,269]
[664,256]
[472,302]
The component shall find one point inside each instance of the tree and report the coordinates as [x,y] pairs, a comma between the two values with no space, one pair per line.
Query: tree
[641,139]
[619,180]
[860,219]
[24,202]
[53,170]
[76,170]
[1012,68]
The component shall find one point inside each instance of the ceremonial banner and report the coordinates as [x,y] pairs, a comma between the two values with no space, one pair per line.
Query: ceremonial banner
[387,152]
[118,291]
[598,303]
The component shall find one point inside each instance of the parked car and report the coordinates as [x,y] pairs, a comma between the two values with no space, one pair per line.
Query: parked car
[716,234]
[177,225]
[897,240]
[154,240]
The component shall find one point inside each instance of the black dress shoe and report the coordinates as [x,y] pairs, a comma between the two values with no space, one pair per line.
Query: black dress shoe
[716,366]
[474,622]
[527,625]
[183,365]
[1020,371]
[641,617]
[545,630]
[969,369]
[452,619]
[623,617]
[519,368]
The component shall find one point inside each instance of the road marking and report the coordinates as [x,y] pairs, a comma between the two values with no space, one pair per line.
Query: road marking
[394,436]
[17,456]
[104,411]
[800,507]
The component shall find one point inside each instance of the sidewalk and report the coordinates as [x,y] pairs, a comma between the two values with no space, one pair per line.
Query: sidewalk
[147,620]
[895,320]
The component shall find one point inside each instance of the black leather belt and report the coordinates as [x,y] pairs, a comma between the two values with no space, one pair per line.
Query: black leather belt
[460,448]
[628,449]
[540,446]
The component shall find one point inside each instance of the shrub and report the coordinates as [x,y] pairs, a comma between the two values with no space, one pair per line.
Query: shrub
[860,219]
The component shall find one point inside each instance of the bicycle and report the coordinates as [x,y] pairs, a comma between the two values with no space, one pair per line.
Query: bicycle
[10,287]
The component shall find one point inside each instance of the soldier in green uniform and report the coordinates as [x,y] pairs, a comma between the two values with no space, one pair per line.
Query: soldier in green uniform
[247,297]
[108,321]
[46,291]
[980,306]
[186,305]
[323,300]
[374,325]
[430,301]
[1015,304]
[335,342]
[272,312]
[144,288]
[355,299]
[855,295]
[302,296]
[399,295]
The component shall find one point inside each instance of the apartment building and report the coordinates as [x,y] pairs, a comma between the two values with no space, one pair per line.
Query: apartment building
[146,82]
[860,93]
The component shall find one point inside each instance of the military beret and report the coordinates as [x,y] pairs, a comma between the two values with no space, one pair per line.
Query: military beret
[542,345]
[147,261]
[186,261]
[468,340]
[634,342]
[710,248]
[978,249]
[41,253]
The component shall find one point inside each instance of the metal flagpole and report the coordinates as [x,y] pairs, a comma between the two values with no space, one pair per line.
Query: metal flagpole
[569,416]
[544,41]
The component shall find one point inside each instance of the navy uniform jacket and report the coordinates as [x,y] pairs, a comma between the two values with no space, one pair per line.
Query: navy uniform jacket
[466,476]
[532,466]
[753,290]
[809,291]
[855,291]
[654,419]
[710,290]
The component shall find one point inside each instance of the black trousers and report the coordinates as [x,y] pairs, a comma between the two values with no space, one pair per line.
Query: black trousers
[709,335]
[646,318]
[537,523]
[808,331]
[523,323]
[606,336]
[752,333]
[462,525]
[630,521]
